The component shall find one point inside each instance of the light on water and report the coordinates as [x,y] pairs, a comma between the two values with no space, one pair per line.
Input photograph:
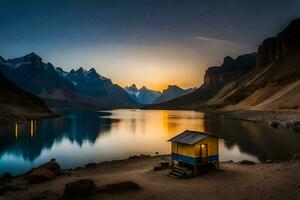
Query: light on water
[16,130]
[81,138]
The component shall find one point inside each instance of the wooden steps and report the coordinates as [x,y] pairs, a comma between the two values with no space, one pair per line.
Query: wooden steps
[178,172]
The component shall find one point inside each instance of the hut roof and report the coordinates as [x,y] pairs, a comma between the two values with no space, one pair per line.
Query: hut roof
[191,137]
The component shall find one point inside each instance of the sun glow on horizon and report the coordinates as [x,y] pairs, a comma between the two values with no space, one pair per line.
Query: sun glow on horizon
[154,67]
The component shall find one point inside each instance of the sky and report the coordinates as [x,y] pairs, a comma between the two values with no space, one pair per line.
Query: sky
[152,43]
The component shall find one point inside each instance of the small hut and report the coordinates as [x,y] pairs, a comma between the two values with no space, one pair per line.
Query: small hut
[195,150]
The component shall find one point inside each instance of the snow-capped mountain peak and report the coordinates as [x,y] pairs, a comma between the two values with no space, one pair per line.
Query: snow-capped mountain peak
[61,72]
[142,95]
[92,74]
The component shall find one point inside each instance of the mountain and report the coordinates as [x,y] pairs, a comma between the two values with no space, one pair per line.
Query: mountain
[275,82]
[101,89]
[57,87]
[172,92]
[215,78]
[142,95]
[231,69]
[272,83]
[16,103]
[61,72]
[147,96]
[2,60]
[34,76]
[132,91]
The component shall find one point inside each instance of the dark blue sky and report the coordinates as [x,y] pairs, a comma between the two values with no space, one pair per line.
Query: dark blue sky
[174,40]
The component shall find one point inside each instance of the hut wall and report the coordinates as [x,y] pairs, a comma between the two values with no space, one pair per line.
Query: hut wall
[191,153]
[213,147]
[183,149]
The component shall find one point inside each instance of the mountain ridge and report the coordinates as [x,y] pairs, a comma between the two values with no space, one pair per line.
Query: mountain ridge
[58,89]
[172,92]
[272,83]
[142,95]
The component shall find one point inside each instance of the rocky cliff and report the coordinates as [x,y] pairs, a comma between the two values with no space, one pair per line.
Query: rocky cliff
[230,70]
[275,82]
[283,46]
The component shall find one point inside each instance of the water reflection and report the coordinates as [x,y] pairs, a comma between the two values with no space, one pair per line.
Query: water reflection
[32,127]
[257,139]
[16,130]
[76,139]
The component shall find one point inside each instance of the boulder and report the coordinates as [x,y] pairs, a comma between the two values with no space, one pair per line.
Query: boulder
[44,172]
[295,126]
[81,188]
[296,157]
[274,124]
[247,162]
[157,168]
[164,164]
[125,186]
[4,189]
[52,166]
[7,176]
[39,175]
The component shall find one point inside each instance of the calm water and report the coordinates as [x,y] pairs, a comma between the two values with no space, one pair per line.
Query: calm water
[81,138]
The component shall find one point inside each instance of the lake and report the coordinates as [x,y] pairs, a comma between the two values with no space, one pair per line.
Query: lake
[76,139]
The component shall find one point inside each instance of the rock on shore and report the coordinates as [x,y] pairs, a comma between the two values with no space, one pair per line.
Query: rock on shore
[44,172]
[80,188]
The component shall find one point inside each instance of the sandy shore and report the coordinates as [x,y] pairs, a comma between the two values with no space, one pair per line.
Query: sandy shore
[235,181]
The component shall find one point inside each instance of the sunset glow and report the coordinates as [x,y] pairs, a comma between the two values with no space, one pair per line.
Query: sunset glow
[130,43]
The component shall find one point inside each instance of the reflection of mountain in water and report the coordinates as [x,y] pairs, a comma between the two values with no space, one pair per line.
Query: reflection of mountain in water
[134,132]
[257,139]
[75,127]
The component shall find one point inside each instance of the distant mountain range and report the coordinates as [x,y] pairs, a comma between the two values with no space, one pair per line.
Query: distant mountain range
[142,95]
[101,89]
[266,80]
[147,96]
[59,88]
[172,92]
[78,88]
[15,103]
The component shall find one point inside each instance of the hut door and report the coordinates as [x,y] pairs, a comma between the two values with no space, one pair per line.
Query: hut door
[204,152]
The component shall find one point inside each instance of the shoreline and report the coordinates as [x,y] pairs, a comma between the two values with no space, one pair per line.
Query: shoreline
[6,120]
[273,118]
[284,118]
[234,178]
